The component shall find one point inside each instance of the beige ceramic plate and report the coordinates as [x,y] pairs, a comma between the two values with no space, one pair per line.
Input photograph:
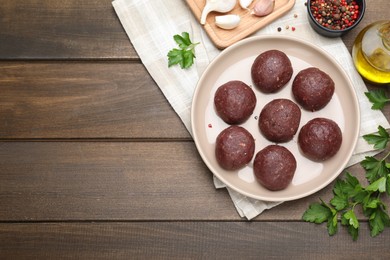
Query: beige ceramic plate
[234,63]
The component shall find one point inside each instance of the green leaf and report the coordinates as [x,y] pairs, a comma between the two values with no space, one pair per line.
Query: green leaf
[351,217]
[378,185]
[354,232]
[332,225]
[344,221]
[344,191]
[374,168]
[379,219]
[354,187]
[369,163]
[317,213]
[352,180]
[175,56]
[368,205]
[339,202]
[373,204]
[388,184]
[183,41]
[377,98]
[188,59]
[340,188]
[360,196]
[379,140]
[185,55]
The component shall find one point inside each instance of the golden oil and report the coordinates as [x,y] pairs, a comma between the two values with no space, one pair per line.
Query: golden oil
[371,52]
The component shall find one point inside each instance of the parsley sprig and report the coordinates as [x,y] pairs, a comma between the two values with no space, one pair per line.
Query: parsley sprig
[377,98]
[379,140]
[349,193]
[185,55]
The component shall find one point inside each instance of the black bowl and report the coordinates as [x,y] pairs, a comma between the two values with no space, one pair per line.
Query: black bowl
[328,32]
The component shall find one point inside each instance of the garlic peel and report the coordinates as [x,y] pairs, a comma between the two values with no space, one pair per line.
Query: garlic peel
[245,3]
[221,6]
[263,7]
[228,22]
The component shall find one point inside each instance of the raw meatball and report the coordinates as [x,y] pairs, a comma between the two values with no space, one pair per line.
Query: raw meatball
[234,102]
[234,148]
[312,89]
[279,120]
[320,139]
[271,71]
[274,167]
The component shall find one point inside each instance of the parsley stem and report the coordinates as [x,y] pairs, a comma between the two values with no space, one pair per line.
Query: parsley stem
[192,46]
[387,155]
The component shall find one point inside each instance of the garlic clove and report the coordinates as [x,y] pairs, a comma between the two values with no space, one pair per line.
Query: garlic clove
[221,6]
[206,10]
[245,3]
[263,7]
[228,22]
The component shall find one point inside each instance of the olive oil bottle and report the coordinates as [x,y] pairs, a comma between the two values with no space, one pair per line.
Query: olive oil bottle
[371,52]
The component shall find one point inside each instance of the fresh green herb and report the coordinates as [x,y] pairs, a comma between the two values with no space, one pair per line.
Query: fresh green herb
[380,140]
[375,168]
[349,193]
[185,55]
[378,98]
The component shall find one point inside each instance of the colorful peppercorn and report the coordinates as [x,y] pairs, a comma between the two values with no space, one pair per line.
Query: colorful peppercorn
[335,14]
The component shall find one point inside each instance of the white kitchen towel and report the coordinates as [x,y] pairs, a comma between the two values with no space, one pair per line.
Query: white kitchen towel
[150,26]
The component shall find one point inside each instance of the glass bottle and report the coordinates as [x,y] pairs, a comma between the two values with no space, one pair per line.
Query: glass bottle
[371,52]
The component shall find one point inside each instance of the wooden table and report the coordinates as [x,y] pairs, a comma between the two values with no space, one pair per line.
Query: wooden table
[95,164]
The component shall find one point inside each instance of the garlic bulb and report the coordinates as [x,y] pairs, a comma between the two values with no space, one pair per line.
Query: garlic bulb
[263,7]
[229,21]
[245,3]
[221,6]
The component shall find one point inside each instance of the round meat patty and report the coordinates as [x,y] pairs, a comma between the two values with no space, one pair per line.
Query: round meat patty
[274,167]
[234,102]
[279,120]
[271,71]
[234,148]
[320,139]
[313,89]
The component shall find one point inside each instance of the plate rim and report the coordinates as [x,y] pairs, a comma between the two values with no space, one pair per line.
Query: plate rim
[260,38]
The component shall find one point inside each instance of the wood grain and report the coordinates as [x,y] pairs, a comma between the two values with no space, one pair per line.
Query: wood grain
[83,100]
[76,181]
[95,164]
[87,30]
[107,181]
[69,29]
[185,240]
[94,100]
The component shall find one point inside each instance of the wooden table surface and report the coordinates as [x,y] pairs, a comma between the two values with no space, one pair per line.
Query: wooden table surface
[95,164]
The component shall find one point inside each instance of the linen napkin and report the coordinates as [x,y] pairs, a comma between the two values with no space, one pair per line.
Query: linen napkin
[150,26]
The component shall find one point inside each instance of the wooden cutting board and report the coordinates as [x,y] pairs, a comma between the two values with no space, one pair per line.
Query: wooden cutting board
[248,25]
